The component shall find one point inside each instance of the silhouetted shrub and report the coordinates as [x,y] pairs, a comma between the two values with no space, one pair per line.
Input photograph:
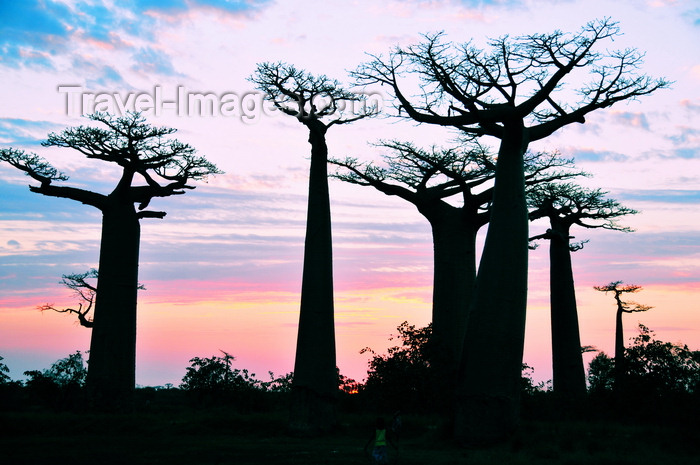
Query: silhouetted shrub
[213,380]
[657,367]
[60,386]
[402,378]
[601,373]
[11,393]
[652,367]
[4,378]
[405,378]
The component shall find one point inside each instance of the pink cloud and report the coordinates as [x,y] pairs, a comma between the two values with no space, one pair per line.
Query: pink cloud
[690,105]
[636,120]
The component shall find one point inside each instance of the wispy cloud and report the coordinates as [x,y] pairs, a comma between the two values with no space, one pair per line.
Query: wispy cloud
[35,32]
[31,25]
[636,120]
[98,75]
[590,155]
[681,196]
[686,135]
[686,153]
[173,6]
[22,132]
[690,105]
[152,62]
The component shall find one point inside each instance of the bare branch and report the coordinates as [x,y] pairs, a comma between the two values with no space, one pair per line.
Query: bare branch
[32,165]
[83,319]
[569,204]
[523,77]
[80,284]
[618,289]
[307,97]
[166,165]
[419,175]
[40,170]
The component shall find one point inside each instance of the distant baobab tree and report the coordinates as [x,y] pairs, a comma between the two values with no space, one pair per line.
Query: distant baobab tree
[516,92]
[152,165]
[318,103]
[566,205]
[427,179]
[618,289]
[85,290]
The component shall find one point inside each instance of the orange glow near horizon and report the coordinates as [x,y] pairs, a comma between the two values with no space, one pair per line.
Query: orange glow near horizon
[258,327]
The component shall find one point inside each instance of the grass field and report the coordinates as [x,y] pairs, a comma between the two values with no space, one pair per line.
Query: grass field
[220,436]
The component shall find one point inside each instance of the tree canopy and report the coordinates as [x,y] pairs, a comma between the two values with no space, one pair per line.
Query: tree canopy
[309,97]
[165,165]
[527,77]
[571,204]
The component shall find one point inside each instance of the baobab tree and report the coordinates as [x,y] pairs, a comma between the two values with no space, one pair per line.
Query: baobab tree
[318,103]
[84,288]
[515,92]
[566,205]
[427,179]
[152,165]
[618,288]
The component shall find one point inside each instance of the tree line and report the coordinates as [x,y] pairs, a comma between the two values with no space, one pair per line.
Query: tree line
[516,91]
[405,379]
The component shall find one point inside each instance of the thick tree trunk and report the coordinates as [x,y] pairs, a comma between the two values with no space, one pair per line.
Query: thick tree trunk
[112,359]
[569,378]
[488,397]
[315,384]
[453,281]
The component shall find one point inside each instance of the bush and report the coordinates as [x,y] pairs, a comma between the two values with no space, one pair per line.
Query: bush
[214,380]
[651,367]
[61,385]
[4,379]
[402,378]
[10,391]
[658,367]
[405,378]
[601,373]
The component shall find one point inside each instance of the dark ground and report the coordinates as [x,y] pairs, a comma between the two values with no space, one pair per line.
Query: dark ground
[218,435]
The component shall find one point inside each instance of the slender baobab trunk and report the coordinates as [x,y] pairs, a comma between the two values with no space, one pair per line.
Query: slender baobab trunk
[619,338]
[569,378]
[619,370]
[488,397]
[315,384]
[453,281]
[112,359]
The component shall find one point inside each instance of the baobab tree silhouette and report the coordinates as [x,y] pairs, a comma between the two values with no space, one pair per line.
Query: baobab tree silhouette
[453,189]
[164,167]
[318,103]
[618,288]
[514,92]
[566,205]
[84,290]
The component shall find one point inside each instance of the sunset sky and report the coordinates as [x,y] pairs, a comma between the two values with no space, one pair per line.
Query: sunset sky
[223,269]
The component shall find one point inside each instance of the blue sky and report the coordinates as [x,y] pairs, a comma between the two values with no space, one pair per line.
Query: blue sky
[226,261]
